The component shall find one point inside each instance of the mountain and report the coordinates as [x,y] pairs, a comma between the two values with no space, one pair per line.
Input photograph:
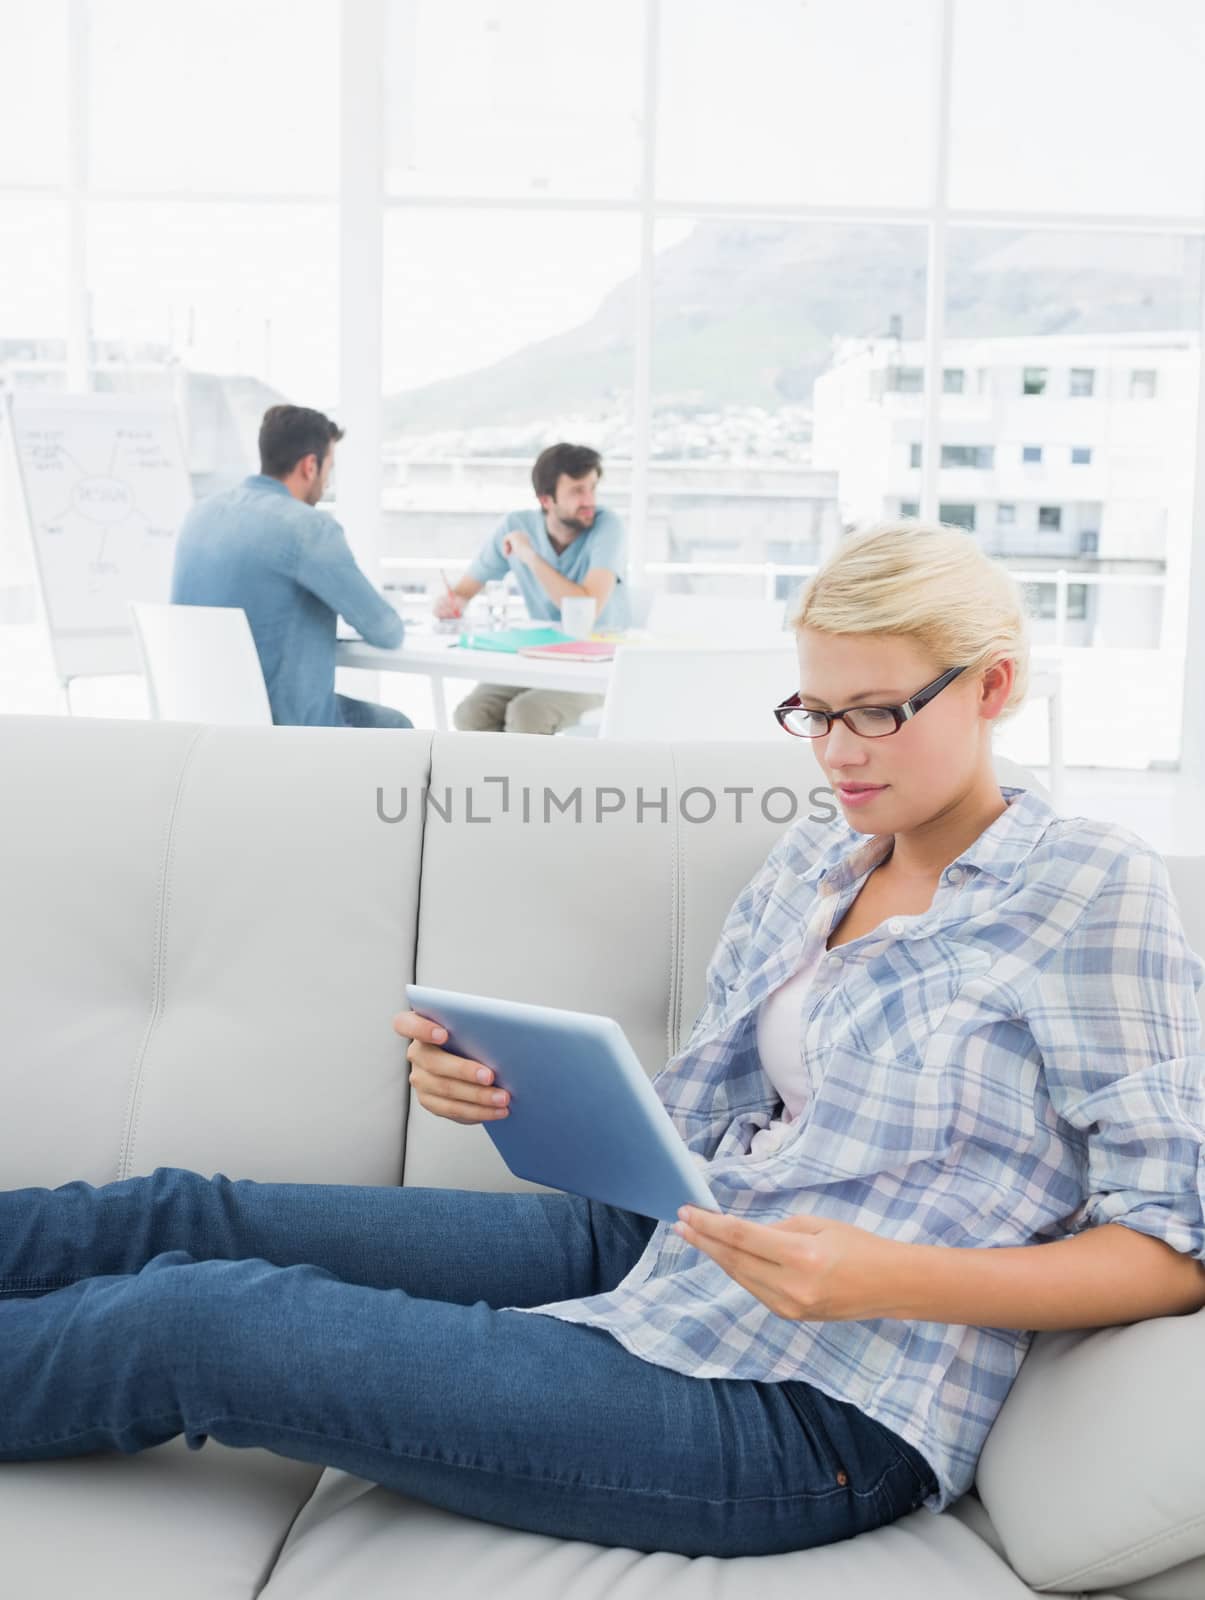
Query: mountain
[745,314]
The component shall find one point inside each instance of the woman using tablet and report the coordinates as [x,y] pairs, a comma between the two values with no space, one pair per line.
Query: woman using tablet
[947,1086]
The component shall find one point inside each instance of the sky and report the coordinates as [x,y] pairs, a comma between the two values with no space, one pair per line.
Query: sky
[1089,104]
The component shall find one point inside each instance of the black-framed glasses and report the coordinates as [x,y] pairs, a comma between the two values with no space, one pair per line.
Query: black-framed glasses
[868,722]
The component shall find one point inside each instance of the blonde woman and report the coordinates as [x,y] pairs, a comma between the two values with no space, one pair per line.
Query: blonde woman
[947,1083]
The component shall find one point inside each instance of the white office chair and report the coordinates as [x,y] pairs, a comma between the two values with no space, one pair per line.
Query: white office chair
[698,621]
[698,694]
[716,618]
[200,664]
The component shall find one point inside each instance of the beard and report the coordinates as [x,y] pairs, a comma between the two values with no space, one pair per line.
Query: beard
[575,524]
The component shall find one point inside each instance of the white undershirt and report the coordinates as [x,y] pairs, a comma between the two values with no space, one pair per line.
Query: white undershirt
[779,1045]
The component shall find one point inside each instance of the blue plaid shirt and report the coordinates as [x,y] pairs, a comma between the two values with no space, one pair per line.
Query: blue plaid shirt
[1017,1063]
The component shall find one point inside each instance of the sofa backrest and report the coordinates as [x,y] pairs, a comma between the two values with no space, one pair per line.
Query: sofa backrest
[204,933]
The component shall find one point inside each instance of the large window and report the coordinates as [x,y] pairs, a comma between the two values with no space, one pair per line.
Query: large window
[213,96]
[1059,106]
[1114,356]
[514,98]
[33,107]
[819,104]
[236,315]
[503,331]
[696,237]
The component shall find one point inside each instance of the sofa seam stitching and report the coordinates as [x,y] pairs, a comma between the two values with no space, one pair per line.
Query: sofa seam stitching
[408,1096]
[274,1561]
[673,1021]
[1150,1543]
[158,985]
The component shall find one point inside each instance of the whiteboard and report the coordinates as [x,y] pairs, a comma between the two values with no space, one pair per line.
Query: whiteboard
[106,487]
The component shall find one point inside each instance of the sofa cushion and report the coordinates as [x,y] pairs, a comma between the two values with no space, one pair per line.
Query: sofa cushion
[206,933]
[1093,1474]
[353,1538]
[1187,874]
[1185,1582]
[194,1524]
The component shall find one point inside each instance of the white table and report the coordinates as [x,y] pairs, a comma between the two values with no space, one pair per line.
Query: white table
[439,656]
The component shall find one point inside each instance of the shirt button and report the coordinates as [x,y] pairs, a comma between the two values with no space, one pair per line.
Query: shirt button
[895,925]
[834,959]
[955,874]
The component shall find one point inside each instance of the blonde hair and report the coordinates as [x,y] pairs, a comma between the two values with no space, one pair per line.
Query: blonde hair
[928,582]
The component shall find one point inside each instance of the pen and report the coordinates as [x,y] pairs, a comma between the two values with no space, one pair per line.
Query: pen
[452,595]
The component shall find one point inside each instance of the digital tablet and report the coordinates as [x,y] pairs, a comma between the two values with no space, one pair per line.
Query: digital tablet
[583,1115]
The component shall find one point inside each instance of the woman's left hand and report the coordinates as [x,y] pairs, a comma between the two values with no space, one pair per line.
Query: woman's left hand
[809,1269]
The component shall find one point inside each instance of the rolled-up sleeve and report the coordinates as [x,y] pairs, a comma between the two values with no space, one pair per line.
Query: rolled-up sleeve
[1114,1013]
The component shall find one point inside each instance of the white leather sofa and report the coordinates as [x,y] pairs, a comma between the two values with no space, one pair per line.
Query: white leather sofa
[204,934]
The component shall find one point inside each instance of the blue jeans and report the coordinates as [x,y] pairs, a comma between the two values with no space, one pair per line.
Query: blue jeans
[368,714]
[358,1327]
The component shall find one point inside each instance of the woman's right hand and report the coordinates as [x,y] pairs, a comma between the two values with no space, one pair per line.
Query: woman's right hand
[447,1085]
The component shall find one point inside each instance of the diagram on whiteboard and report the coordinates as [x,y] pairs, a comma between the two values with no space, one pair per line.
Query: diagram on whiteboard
[106,488]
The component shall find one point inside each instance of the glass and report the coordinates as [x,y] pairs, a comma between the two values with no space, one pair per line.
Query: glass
[525,98]
[868,722]
[474,619]
[497,602]
[33,289]
[214,95]
[762,409]
[798,101]
[503,332]
[957,515]
[1060,106]
[229,308]
[1098,479]
[33,107]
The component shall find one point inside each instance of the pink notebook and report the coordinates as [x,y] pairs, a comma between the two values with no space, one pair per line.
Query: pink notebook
[571,650]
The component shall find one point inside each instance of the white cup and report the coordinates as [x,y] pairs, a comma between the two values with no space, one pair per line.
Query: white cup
[577,615]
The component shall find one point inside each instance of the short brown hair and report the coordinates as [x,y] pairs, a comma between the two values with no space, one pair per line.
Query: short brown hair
[563,460]
[290,433]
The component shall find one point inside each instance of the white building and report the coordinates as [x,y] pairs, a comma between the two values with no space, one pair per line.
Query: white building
[1063,453]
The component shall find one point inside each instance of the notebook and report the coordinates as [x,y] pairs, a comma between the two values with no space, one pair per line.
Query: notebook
[512,640]
[572,650]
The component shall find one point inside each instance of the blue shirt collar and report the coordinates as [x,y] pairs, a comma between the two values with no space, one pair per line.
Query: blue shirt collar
[261,480]
[999,850]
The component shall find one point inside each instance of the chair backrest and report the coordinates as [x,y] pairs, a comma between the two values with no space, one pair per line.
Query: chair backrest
[717,618]
[698,694]
[201,664]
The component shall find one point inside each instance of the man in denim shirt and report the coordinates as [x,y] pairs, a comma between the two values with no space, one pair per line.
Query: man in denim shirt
[266,547]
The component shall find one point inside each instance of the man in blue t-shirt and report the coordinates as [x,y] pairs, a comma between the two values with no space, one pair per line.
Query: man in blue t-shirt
[568,547]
